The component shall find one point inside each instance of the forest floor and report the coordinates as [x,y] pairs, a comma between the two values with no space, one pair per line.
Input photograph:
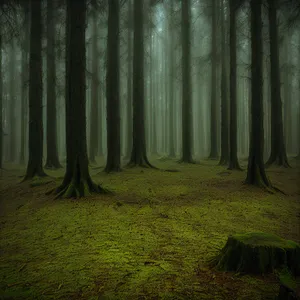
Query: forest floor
[151,239]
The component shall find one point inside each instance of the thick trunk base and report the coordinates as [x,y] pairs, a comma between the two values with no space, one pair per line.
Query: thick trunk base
[234,165]
[278,160]
[186,161]
[53,164]
[258,253]
[34,172]
[77,189]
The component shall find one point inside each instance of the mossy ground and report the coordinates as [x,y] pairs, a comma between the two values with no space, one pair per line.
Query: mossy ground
[150,240]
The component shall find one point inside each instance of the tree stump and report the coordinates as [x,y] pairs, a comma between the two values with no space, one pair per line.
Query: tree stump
[258,253]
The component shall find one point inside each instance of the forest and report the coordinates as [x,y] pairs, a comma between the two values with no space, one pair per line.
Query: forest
[150,149]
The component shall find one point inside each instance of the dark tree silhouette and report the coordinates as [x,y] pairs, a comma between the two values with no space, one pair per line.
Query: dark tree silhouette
[24,79]
[278,149]
[35,161]
[94,130]
[77,181]
[52,161]
[138,152]
[172,102]
[113,89]
[12,101]
[129,82]
[233,160]
[224,99]
[213,109]
[186,82]
[1,99]
[256,174]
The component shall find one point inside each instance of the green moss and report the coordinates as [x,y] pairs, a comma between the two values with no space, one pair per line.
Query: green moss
[265,239]
[144,242]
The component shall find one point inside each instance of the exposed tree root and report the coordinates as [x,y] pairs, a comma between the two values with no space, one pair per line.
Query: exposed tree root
[50,166]
[223,162]
[280,161]
[142,162]
[74,189]
[109,169]
[186,161]
[31,174]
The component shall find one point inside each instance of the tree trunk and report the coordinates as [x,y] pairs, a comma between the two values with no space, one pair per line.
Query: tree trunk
[35,160]
[233,160]
[1,104]
[113,89]
[224,100]
[52,161]
[153,97]
[171,144]
[12,101]
[213,109]
[256,172]
[138,153]
[94,90]
[24,90]
[186,83]
[129,83]
[77,181]
[278,150]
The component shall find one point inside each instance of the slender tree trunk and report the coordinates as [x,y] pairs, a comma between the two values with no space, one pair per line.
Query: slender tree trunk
[24,90]
[77,181]
[233,160]
[138,153]
[1,104]
[35,161]
[52,161]
[278,151]
[171,144]
[224,99]
[153,97]
[93,149]
[12,102]
[213,109]
[129,82]
[186,83]
[113,89]
[256,174]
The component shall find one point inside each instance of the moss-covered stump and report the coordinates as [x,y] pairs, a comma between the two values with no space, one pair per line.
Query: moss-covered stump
[258,253]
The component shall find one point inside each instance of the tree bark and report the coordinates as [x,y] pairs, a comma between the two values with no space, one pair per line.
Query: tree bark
[256,172]
[113,162]
[77,181]
[12,101]
[24,86]
[52,161]
[129,82]
[224,99]
[186,83]
[171,145]
[278,150]
[94,132]
[1,104]
[138,153]
[35,160]
[233,160]
[213,109]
